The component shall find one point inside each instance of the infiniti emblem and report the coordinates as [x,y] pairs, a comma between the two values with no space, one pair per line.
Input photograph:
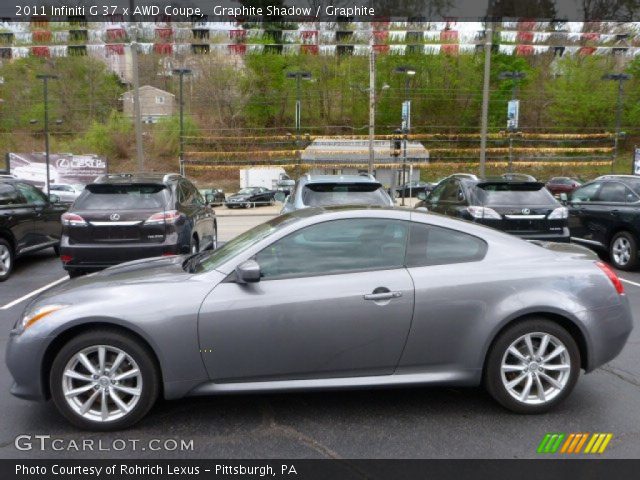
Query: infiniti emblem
[526,211]
[114,217]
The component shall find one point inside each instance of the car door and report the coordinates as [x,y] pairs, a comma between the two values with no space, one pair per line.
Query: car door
[616,208]
[47,228]
[583,209]
[334,300]
[16,216]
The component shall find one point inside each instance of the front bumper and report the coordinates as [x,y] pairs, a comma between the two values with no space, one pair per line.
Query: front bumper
[92,257]
[24,359]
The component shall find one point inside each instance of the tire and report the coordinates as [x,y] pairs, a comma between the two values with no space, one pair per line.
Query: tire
[56,250]
[564,368]
[396,194]
[136,355]
[214,240]
[272,202]
[7,259]
[75,273]
[623,251]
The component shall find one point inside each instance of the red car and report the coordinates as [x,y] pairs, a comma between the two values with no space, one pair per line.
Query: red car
[558,185]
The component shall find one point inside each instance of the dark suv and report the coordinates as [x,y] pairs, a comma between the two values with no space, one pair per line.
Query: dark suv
[525,209]
[605,215]
[29,221]
[126,217]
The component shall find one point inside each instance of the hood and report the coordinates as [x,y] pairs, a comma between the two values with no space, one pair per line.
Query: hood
[145,271]
[571,249]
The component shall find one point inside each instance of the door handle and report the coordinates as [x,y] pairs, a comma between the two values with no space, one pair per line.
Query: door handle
[382,296]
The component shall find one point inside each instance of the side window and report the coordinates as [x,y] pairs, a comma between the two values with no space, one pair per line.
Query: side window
[430,245]
[587,193]
[9,195]
[451,192]
[337,246]
[616,193]
[436,194]
[32,194]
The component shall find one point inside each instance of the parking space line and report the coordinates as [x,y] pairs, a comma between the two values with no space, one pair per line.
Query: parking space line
[635,284]
[31,294]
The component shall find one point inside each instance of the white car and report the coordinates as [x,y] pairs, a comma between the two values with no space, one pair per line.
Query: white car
[66,193]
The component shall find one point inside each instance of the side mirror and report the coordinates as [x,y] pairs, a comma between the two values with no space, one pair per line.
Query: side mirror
[280,197]
[54,198]
[209,198]
[248,272]
[564,198]
[422,195]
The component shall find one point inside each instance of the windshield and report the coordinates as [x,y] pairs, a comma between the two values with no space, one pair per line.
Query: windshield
[212,260]
[327,194]
[527,194]
[122,197]
[246,191]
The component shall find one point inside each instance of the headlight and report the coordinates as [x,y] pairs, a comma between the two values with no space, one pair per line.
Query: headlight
[33,315]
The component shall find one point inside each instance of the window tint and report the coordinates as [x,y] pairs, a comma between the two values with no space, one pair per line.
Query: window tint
[102,196]
[336,246]
[586,193]
[327,194]
[616,192]
[31,193]
[514,194]
[9,195]
[431,245]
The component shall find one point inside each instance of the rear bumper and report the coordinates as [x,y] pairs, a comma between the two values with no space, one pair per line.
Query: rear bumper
[562,236]
[92,257]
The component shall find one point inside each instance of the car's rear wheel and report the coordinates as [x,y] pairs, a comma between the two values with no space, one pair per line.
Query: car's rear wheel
[103,380]
[532,366]
[623,251]
[194,247]
[6,259]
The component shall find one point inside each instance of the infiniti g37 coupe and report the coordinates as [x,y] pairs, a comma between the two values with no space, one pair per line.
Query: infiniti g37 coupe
[324,298]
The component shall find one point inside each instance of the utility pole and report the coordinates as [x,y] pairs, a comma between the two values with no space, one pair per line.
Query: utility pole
[182,72]
[485,90]
[408,72]
[372,106]
[512,123]
[620,78]
[45,78]
[298,77]
[136,89]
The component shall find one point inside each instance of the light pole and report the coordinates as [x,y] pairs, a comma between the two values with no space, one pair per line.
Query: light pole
[408,72]
[620,78]
[45,79]
[512,126]
[182,72]
[298,76]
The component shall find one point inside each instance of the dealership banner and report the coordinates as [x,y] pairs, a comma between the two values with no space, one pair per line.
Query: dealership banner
[64,168]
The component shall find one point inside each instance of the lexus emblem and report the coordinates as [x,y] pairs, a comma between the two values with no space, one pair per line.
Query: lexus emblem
[115,217]
[525,211]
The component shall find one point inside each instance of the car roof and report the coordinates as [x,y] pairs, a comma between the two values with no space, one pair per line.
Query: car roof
[308,178]
[128,178]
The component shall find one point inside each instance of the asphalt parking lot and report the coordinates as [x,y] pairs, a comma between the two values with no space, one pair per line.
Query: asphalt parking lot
[397,423]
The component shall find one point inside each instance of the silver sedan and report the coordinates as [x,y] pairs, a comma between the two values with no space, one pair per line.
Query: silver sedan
[318,299]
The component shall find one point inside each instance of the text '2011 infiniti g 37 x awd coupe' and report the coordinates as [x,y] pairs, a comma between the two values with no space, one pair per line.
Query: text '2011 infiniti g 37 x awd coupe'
[324,298]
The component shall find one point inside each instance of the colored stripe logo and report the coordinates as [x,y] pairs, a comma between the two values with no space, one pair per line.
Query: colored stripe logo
[595,443]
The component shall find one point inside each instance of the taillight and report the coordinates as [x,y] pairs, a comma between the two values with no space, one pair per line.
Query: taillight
[73,220]
[608,271]
[66,258]
[559,213]
[170,216]
[483,212]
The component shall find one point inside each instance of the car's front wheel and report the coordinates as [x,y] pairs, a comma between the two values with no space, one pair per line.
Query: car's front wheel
[104,380]
[623,251]
[532,366]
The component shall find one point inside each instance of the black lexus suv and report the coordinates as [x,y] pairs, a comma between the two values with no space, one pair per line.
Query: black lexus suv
[605,215]
[29,221]
[521,208]
[126,217]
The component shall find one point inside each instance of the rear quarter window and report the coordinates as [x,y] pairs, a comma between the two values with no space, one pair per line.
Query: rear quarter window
[431,245]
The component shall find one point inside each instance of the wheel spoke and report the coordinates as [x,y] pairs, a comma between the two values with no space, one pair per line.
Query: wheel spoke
[117,362]
[77,376]
[77,391]
[90,401]
[104,410]
[516,353]
[527,388]
[131,391]
[131,373]
[558,351]
[87,363]
[556,368]
[118,401]
[551,380]
[544,343]
[513,368]
[540,388]
[529,344]
[515,382]
[102,353]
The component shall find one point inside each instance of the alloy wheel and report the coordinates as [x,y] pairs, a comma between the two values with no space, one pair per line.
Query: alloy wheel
[5,259]
[102,383]
[621,251]
[535,368]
